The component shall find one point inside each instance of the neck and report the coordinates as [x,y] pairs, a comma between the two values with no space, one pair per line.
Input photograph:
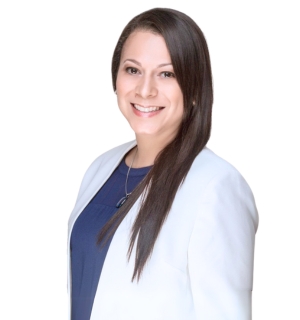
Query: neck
[148,149]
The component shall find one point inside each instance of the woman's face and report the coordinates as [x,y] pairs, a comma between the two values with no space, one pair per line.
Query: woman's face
[148,93]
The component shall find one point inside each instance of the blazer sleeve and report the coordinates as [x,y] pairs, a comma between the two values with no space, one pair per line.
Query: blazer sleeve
[221,250]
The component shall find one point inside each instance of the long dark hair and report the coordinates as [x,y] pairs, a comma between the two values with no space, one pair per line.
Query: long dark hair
[190,58]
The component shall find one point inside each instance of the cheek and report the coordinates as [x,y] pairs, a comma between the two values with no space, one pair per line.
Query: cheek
[177,98]
[174,93]
[123,97]
[121,91]
[124,84]
[179,107]
[119,84]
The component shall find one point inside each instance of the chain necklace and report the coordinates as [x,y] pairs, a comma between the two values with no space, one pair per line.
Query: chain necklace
[123,199]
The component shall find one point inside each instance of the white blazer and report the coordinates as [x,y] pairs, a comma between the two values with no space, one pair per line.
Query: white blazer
[202,263]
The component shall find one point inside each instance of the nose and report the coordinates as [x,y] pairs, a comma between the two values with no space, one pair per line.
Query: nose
[146,87]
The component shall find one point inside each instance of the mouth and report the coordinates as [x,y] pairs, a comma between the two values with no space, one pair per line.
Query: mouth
[148,109]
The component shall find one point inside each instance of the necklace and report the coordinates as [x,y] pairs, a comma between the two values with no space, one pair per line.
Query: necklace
[123,199]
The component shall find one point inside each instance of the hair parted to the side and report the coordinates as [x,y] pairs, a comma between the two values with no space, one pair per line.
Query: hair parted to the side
[190,58]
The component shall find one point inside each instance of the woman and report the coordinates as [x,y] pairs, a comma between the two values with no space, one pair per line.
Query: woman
[162,227]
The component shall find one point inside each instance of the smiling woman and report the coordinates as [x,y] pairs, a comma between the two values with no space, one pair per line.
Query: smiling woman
[148,93]
[162,228]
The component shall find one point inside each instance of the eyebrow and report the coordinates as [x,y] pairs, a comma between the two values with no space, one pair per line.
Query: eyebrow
[139,64]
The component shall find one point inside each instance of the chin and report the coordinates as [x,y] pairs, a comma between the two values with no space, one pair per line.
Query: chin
[143,129]
[145,132]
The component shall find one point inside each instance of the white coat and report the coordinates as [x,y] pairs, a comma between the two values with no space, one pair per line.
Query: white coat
[201,267]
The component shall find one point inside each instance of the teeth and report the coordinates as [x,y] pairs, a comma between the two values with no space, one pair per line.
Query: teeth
[148,109]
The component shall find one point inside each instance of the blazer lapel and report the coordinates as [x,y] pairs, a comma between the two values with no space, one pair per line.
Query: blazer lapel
[109,162]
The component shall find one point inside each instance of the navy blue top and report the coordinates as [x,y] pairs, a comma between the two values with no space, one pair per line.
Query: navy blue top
[87,257]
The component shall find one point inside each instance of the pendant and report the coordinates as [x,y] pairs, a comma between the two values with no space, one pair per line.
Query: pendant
[122,201]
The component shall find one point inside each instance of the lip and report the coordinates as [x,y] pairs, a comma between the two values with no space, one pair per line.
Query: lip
[145,114]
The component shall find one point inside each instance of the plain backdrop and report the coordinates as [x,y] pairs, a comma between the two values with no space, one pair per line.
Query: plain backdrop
[59,112]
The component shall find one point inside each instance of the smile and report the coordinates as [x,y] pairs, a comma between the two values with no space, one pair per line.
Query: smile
[146,109]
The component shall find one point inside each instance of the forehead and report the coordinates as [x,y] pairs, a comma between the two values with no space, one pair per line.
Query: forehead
[147,47]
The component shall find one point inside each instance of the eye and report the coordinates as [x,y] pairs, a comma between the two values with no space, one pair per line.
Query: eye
[168,74]
[132,70]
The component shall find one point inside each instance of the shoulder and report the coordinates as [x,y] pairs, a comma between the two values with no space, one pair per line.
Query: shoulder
[111,155]
[211,164]
[213,179]
[209,167]
[106,162]
[217,183]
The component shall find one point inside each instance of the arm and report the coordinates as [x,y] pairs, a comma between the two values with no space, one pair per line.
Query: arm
[221,250]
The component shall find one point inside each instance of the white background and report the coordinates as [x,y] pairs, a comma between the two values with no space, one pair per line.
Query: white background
[58,112]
